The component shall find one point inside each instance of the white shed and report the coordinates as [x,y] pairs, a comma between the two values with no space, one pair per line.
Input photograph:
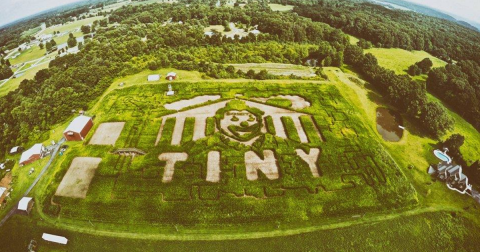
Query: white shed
[15,150]
[54,238]
[24,204]
[154,77]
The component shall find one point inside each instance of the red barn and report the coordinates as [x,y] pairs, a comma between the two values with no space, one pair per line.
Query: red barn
[32,154]
[171,76]
[78,128]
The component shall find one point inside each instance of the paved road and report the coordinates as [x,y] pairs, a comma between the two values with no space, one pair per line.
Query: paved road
[476,195]
[52,157]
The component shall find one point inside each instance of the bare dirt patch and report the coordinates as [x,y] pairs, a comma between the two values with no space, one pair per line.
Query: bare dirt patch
[178,105]
[5,182]
[171,158]
[268,165]
[76,181]
[178,130]
[107,133]
[213,166]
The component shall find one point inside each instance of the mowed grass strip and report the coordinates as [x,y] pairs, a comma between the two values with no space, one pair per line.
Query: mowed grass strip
[188,129]
[269,125]
[290,128]
[310,129]
[210,127]
[167,132]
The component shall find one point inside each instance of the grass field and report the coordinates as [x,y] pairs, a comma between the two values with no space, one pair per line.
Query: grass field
[28,55]
[64,38]
[414,152]
[277,69]
[399,60]
[290,200]
[457,233]
[281,7]
[13,84]
[353,40]
[70,26]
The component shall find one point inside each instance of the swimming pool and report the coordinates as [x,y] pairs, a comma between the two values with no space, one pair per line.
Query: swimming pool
[442,156]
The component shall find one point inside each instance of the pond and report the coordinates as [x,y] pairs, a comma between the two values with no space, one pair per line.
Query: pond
[388,123]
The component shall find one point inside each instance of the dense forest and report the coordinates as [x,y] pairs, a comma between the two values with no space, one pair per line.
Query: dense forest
[412,31]
[458,85]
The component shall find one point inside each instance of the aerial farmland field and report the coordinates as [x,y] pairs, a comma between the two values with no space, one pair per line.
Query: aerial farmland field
[168,125]
[278,144]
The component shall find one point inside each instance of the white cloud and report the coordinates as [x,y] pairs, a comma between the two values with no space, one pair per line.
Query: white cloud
[467,9]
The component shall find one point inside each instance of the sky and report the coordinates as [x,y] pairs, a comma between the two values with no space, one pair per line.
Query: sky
[466,9]
[11,10]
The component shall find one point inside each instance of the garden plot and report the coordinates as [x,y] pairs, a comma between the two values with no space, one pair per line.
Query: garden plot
[76,181]
[107,133]
[277,69]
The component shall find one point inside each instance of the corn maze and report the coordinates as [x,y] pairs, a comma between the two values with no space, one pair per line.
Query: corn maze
[243,158]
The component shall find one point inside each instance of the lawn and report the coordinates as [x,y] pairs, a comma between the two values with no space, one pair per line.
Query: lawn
[281,7]
[399,60]
[457,233]
[22,180]
[353,40]
[70,26]
[64,38]
[13,84]
[28,55]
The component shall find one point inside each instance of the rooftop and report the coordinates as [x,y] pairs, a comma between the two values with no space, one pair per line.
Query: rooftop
[36,149]
[54,238]
[2,190]
[23,204]
[78,124]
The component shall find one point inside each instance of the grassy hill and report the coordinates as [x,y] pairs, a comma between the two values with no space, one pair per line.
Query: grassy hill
[399,60]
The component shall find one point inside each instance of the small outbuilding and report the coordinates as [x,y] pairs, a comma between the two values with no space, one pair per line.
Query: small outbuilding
[32,154]
[15,150]
[55,238]
[78,128]
[3,194]
[171,76]
[154,77]
[25,205]
[255,32]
